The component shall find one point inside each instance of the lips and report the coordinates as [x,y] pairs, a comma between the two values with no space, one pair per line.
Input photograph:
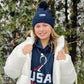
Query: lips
[42,34]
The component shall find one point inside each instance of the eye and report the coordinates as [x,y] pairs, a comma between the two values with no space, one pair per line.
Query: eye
[45,25]
[38,26]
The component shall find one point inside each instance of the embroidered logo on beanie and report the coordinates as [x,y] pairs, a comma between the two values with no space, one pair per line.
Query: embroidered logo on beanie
[43,15]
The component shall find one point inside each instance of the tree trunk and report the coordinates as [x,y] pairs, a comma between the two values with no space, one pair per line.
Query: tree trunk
[73,36]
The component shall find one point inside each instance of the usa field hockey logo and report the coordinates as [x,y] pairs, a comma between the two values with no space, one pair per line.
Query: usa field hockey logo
[42,63]
[37,76]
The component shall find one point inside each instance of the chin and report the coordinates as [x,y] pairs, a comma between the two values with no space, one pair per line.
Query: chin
[43,38]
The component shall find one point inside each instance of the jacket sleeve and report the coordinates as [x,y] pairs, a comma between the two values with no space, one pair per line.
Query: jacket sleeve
[15,61]
[68,74]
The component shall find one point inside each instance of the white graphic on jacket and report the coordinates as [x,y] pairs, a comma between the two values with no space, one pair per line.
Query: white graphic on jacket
[38,75]
[42,64]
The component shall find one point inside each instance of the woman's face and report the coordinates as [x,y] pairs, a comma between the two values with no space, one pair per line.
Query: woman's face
[42,30]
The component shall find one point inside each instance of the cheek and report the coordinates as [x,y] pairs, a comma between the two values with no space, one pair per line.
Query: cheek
[49,31]
[36,31]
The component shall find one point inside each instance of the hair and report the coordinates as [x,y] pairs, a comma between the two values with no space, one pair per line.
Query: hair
[53,39]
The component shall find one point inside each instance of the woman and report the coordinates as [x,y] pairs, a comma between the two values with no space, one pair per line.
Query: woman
[43,58]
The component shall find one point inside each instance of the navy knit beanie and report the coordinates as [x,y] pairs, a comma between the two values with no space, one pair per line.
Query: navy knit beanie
[43,15]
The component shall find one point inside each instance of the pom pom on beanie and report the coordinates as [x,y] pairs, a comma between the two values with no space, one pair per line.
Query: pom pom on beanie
[43,5]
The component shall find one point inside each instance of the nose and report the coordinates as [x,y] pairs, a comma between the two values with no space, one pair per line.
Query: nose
[41,28]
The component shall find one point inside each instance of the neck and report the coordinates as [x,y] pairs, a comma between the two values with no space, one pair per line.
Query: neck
[44,42]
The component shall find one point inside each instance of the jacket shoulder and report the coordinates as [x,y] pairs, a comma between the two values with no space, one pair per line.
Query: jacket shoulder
[28,40]
[60,41]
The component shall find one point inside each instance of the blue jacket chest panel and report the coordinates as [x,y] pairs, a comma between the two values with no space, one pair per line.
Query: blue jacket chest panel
[41,64]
